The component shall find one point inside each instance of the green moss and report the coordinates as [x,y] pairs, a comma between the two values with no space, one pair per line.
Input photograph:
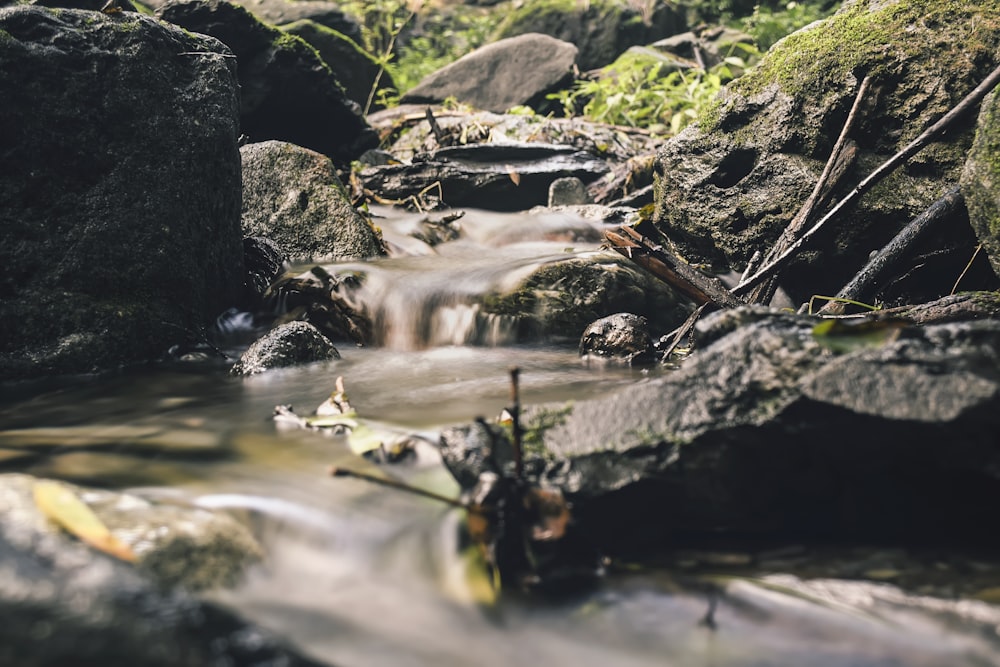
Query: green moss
[857,42]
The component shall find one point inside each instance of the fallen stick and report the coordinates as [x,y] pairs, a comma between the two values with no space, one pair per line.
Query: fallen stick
[841,157]
[887,167]
[686,279]
[863,285]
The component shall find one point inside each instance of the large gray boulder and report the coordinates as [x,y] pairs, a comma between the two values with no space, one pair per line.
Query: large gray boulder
[601,29]
[730,185]
[981,180]
[292,195]
[515,71]
[119,188]
[287,92]
[776,430]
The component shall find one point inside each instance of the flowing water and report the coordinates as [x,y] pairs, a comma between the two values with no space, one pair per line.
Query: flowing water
[362,575]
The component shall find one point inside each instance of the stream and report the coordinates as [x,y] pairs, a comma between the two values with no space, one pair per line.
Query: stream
[357,574]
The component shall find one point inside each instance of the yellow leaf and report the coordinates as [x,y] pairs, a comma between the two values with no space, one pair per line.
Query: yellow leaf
[58,502]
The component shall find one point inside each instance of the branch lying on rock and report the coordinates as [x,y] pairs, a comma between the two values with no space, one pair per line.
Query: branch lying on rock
[841,158]
[863,285]
[770,268]
[686,279]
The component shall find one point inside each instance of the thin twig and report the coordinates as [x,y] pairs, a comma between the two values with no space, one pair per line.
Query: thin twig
[968,266]
[765,291]
[515,422]
[868,183]
[402,486]
[683,330]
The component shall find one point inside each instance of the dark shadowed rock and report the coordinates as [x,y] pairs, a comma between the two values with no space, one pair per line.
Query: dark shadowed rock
[277,12]
[981,180]
[293,196]
[354,68]
[770,430]
[621,337]
[119,196]
[601,29]
[500,177]
[265,262]
[730,185]
[286,345]
[511,72]
[286,91]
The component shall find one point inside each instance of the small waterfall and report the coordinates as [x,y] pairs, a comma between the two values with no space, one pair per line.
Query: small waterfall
[436,297]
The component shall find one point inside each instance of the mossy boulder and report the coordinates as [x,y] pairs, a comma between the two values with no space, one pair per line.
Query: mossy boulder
[560,299]
[354,68]
[120,188]
[729,185]
[287,92]
[292,196]
[601,29]
[981,180]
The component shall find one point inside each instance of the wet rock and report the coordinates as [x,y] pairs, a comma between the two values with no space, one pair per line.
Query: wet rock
[286,345]
[265,262]
[511,72]
[601,29]
[560,299]
[120,188]
[62,603]
[286,91]
[500,177]
[730,185]
[569,191]
[622,337]
[455,128]
[768,431]
[174,545]
[353,67]
[981,180]
[293,196]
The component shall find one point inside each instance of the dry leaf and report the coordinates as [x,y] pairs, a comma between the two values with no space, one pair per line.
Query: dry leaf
[58,502]
[514,176]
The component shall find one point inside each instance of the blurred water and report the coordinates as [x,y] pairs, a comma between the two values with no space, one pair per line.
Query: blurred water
[362,575]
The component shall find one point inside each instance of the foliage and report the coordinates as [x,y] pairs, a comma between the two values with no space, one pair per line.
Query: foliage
[410,43]
[438,40]
[648,89]
[767,25]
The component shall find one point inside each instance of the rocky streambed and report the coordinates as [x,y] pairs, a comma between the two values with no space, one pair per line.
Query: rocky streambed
[658,482]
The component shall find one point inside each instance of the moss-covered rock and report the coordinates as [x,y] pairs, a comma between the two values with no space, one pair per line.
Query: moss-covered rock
[355,69]
[981,180]
[560,299]
[292,195]
[601,29]
[287,92]
[729,186]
